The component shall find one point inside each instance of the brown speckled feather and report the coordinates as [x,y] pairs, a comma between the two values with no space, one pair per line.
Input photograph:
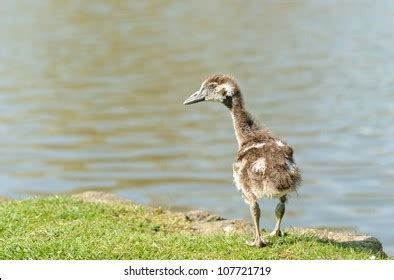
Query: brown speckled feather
[279,172]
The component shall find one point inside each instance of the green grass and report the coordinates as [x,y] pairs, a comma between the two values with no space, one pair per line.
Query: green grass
[69,228]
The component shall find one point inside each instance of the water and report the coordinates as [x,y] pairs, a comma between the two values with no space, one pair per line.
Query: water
[91,99]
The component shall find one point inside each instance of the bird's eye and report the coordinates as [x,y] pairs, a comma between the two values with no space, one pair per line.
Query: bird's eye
[212,85]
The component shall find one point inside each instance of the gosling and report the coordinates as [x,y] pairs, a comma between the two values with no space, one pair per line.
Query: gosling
[264,166]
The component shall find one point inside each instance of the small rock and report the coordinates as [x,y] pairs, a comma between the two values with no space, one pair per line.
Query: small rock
[223,226]
[201,216]
[228,229]
[344,237]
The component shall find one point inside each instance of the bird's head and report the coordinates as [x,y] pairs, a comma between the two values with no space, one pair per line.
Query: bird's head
[220,88]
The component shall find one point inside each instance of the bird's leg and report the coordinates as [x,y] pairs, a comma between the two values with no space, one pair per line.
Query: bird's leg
[255,212]
[279,213]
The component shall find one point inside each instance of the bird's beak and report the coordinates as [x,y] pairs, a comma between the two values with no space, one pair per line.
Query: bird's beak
[198,96]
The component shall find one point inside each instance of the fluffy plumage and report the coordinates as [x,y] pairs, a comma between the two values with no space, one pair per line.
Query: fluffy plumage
[264,165]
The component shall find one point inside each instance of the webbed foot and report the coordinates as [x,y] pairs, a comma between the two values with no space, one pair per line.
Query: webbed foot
[258,243]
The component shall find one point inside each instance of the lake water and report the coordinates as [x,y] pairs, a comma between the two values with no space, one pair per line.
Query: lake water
[91,98]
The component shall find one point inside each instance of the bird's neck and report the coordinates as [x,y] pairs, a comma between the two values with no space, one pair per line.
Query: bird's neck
[243,122]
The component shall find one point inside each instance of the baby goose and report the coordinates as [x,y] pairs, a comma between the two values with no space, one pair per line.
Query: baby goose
[264,166]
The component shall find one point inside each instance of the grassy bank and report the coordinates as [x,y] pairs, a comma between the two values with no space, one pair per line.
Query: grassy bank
[70,228]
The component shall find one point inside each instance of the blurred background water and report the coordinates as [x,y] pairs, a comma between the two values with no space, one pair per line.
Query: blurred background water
[91,98]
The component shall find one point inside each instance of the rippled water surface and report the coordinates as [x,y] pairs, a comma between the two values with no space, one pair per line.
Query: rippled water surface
[91,98]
